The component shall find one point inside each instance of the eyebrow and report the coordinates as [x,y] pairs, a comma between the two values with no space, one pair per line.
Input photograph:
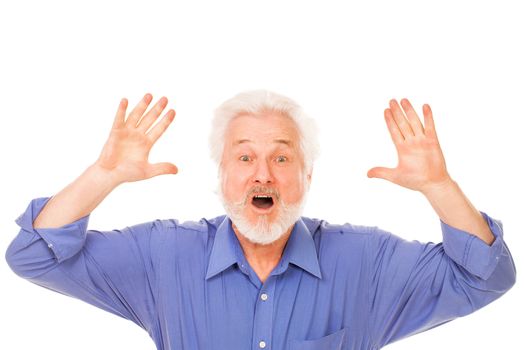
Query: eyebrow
[280,141]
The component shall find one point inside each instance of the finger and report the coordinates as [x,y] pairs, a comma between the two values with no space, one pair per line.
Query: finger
[121,114]
[381,173]
[413,119]
[161,169]
[161,126]
[400,119]
[138,111]
[152,115]
[430,129]
[395,133]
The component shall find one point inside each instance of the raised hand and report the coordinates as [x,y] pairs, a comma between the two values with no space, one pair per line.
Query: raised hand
[125,154]
[421,165]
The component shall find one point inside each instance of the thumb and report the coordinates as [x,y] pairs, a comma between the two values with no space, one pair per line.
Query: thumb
[162,169]
[381,173]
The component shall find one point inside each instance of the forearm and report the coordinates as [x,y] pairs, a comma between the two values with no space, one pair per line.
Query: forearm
[78,199]
[455,209]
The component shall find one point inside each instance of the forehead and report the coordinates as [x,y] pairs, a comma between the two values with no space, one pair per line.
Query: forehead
[263,127]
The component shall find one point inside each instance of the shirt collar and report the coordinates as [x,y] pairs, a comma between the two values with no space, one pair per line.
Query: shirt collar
[300,250]
[223,250]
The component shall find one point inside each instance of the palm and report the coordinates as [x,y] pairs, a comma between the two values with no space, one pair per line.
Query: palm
[420,161]
[126,151]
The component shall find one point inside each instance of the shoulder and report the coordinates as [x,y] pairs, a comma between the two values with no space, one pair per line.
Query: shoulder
[345,235]
[195,227]
[346,230]
[176,234]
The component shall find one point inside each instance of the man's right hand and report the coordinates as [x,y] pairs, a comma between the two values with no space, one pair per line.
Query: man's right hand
[125,154]
[124,158]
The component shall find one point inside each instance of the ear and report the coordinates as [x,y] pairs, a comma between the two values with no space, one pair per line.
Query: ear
[309,176]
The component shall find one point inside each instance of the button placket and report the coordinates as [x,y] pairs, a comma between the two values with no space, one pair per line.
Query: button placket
[263,318]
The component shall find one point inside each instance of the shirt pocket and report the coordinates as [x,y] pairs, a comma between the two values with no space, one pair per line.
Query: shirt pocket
[334,341]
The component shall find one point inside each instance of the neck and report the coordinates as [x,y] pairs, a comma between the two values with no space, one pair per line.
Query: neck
[263,258]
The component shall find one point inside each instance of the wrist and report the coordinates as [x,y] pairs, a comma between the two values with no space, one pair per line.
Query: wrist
[103,177]
[439,189]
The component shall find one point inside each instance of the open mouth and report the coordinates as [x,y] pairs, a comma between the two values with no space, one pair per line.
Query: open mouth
[262,201]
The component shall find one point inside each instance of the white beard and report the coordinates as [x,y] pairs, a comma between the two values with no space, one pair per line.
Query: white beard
[263,231]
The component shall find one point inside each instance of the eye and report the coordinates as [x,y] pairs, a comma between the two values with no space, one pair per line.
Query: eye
[281,159]
[244,158]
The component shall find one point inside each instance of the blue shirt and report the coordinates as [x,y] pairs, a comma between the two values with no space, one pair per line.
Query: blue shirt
[336,286]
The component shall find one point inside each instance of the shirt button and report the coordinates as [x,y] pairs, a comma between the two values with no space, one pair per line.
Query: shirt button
[264,296]
[50,245]
[262,344]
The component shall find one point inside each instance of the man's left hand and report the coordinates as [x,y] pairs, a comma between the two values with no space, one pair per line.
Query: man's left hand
[421,165]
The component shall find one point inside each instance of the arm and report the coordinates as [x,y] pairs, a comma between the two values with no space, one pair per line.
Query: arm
[112,270]
[454,208]
[417,286]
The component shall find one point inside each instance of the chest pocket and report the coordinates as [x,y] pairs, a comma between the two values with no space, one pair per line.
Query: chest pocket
[334,341]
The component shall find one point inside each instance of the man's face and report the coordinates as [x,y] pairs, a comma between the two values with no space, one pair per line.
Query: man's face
[262,173]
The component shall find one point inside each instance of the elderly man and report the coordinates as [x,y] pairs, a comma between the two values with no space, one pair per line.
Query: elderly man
[263,277]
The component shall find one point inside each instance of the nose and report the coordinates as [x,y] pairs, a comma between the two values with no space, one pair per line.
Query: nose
[263,173]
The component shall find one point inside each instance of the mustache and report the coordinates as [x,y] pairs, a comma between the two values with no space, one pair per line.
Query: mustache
[261,190]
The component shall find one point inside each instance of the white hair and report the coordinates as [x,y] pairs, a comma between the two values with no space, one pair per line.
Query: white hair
[254,102]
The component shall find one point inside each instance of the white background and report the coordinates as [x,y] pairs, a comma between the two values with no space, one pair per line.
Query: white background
[65,65]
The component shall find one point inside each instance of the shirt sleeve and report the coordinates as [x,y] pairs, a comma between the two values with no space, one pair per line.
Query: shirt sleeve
[111,270]
[416,286]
